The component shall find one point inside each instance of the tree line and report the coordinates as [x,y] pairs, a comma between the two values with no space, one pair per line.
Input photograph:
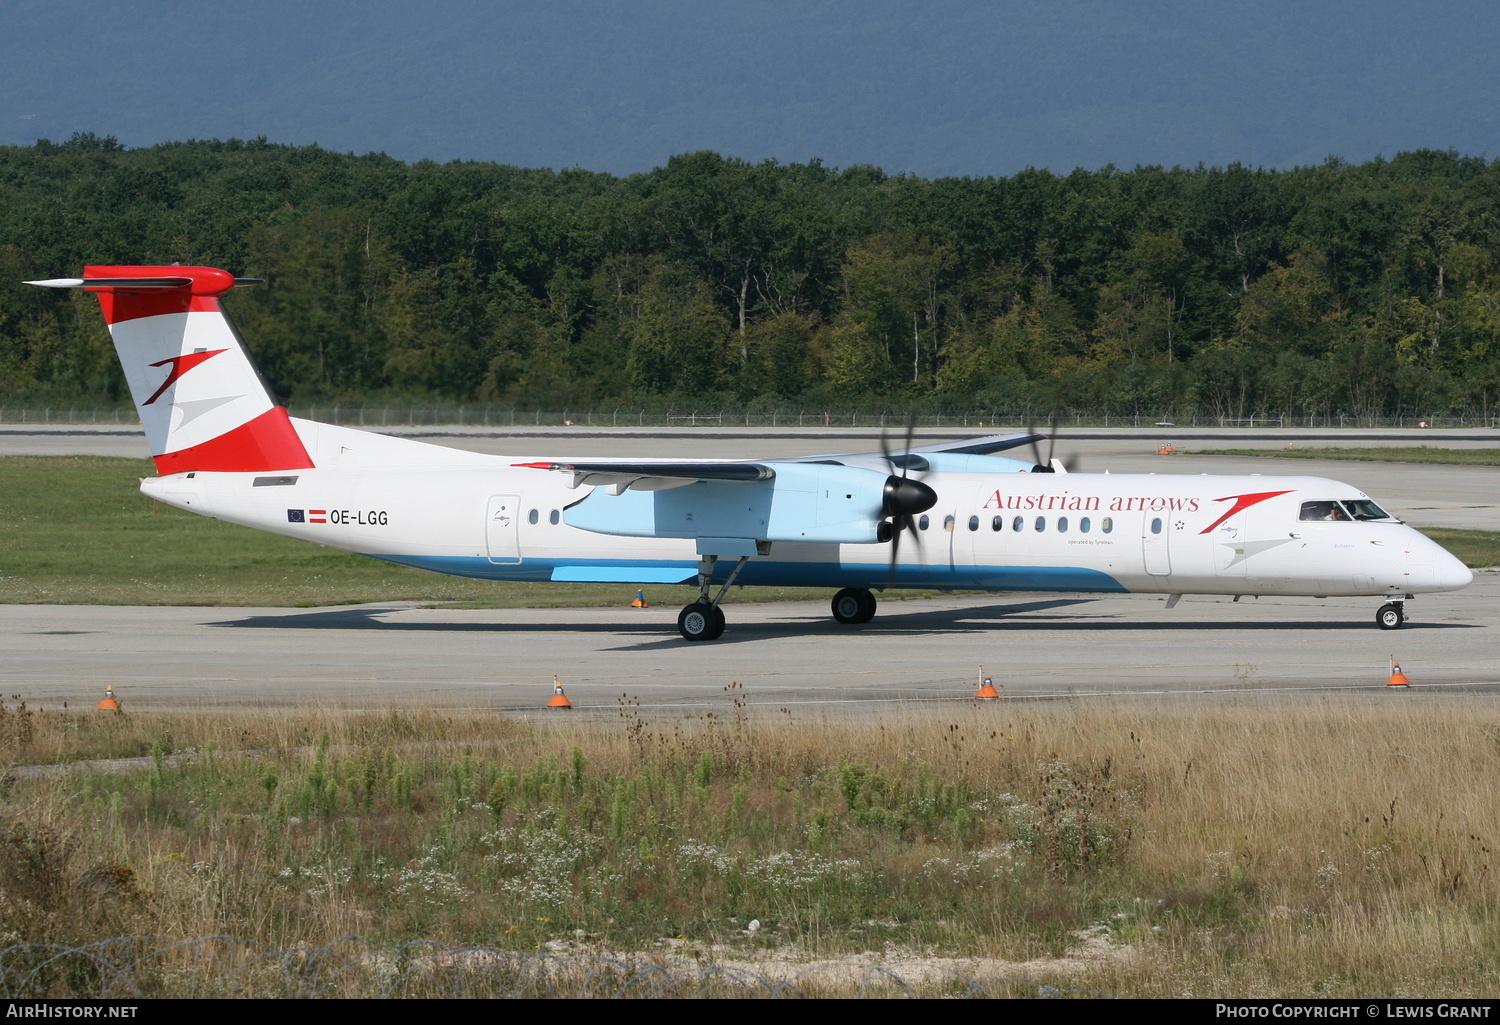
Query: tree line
[1337,288]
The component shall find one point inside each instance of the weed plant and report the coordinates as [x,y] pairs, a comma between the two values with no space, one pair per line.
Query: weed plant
[1252,848]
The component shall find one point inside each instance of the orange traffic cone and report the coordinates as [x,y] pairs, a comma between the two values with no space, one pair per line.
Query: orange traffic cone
[1165,450]
[1398,678]
[640,601]
[559,699]
[987,688]
[109,704]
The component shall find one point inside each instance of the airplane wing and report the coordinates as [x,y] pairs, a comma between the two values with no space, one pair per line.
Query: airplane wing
[986,446]
[654,475]
[950,455]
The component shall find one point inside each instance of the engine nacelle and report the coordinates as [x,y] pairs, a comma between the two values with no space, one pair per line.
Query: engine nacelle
[803,502]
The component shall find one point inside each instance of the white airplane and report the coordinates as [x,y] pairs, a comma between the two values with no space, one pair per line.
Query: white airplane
[224,448]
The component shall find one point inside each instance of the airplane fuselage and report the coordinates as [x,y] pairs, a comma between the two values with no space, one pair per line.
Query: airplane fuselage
[482,516]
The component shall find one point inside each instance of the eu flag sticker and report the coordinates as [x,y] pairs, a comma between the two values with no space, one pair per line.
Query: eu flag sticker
[294,516]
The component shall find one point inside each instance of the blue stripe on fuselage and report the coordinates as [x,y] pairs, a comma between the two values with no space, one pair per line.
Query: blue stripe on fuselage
[778,574]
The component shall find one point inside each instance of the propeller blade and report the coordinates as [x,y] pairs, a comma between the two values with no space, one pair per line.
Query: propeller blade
[1044,465]
[904,497]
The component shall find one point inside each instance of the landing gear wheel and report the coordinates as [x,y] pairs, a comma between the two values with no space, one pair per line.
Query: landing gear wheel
[1390,616]
[700,622]
[854,605]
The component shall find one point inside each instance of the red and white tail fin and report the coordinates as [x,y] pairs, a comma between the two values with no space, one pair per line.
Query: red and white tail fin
[202,403]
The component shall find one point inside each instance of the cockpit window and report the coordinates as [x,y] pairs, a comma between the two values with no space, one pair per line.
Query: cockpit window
[1364,509]
[1360,509]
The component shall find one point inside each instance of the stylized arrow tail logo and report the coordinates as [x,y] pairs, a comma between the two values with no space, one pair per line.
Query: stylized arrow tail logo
[180,365]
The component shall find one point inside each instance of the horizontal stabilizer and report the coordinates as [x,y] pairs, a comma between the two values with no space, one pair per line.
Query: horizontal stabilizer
[113,282]
[127,284]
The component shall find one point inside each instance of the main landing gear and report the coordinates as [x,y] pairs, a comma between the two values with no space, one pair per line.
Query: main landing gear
[854,605]
[703,620]
[700,621]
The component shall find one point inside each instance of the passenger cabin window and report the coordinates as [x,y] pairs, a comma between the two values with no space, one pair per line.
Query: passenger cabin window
[1062,524]
[553,517]
[1084,524]
[973,522]
[1018,524]
[998,523]
[1156,525]
[947,522]
[532,516]
[923,523]
[1041,524]
[1107,524]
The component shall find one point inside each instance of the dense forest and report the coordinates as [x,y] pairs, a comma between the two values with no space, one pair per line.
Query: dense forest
[1336,288]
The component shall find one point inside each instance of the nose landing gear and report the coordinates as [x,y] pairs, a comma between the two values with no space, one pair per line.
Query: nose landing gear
[1391,615]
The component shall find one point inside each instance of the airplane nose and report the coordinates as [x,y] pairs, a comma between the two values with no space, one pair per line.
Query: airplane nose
[1452,574]
[1431,567]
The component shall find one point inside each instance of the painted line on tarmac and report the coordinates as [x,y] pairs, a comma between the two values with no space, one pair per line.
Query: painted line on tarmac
[696,678]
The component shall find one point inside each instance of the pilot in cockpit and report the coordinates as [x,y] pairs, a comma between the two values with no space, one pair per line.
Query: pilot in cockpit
[1330,511]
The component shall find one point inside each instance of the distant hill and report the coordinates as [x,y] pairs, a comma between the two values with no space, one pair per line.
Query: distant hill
[932,88]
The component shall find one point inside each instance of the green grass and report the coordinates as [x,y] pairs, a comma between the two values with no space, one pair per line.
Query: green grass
[1408,454]
[80,532]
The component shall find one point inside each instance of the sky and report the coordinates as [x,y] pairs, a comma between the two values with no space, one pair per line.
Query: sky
[932,88]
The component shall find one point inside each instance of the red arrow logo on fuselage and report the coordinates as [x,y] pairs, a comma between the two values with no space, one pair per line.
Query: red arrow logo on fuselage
[180,365]
[1241,502]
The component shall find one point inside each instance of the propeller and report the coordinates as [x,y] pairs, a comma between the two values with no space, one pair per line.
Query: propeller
[904,498]
[1044,465]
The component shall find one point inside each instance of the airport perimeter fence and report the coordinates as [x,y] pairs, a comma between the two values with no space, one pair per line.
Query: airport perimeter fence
[481,415]
[145,967]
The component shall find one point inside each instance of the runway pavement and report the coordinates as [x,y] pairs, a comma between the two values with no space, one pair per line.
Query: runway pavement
[791,655]
[785,655]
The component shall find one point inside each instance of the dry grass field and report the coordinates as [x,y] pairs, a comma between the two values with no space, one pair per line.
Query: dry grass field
[1239,846]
